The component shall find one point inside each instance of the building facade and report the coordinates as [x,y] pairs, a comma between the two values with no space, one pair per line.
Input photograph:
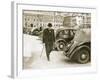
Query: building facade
[36,19]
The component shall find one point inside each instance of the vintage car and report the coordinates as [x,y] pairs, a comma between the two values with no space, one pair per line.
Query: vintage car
[63,37]
[36,31]
[79,49]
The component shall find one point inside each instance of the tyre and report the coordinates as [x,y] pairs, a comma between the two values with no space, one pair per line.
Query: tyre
[82,56]
[60,45]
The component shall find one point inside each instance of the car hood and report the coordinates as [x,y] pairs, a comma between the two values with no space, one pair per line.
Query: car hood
[83,35]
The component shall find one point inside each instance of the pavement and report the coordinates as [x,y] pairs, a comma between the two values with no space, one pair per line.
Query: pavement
[33,48]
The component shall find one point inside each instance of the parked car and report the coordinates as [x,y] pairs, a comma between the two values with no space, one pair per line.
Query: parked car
[36,31]
[79,49]
[63,37]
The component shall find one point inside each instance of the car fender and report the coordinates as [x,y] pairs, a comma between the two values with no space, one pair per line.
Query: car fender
[78,48]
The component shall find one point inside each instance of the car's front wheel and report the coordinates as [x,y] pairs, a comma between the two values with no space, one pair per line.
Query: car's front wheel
[82,56]
[60,45]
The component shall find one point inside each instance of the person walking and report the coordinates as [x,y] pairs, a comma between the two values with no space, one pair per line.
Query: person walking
[48,39]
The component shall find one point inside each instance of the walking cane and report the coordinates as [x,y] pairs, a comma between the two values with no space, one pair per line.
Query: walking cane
[42,51]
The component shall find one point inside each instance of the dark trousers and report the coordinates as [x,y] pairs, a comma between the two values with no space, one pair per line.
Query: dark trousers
[49,47]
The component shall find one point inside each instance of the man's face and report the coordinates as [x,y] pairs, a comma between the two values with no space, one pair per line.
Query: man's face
[49,27]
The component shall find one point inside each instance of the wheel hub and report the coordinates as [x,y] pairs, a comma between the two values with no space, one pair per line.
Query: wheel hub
[61,46]
[83,56]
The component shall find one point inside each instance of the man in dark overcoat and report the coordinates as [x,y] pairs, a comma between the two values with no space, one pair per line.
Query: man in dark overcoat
[48,39]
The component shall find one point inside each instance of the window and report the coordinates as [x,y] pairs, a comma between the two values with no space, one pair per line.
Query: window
[31,25]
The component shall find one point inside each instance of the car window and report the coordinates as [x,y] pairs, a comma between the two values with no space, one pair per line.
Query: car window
[61,32]
[71,33]
[66,32]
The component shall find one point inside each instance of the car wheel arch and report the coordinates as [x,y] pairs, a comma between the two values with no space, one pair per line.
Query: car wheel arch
[76,49]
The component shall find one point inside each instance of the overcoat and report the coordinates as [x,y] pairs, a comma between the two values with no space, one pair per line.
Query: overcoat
[48,39]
